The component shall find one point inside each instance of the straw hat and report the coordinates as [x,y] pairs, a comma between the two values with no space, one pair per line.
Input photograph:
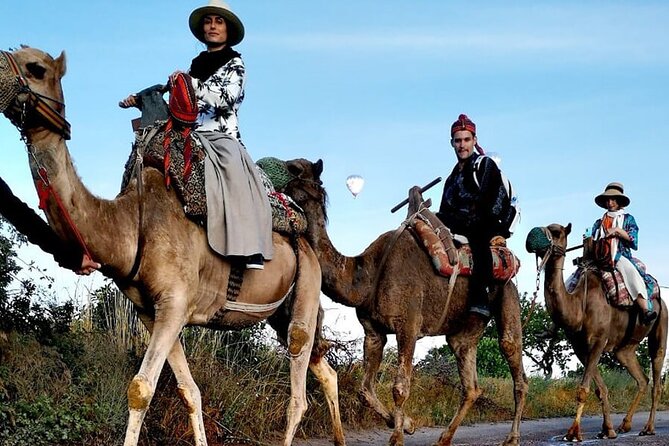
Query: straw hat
[217,7]
[614,190]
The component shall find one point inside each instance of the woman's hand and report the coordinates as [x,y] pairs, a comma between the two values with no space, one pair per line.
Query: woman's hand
[130,101]
[618,233]
[172,76]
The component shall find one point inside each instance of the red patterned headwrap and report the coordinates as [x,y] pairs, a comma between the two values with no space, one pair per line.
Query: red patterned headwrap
[463,123]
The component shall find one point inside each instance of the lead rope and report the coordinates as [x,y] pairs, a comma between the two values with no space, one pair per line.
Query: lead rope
[45,189]
[540,268]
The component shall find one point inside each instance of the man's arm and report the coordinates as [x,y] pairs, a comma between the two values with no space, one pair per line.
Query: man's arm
[27,222]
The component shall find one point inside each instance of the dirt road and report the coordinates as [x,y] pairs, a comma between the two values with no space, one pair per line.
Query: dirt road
[545,432]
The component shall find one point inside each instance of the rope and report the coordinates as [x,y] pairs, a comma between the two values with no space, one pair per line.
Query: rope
[552,249]
[44,190]
[257,308]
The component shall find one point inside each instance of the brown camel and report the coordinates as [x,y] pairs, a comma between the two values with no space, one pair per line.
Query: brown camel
[408,299]
[593,327]
[180,280]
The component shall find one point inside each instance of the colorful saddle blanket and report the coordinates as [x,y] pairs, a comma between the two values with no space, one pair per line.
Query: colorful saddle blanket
[614,286]
[505,263]
[287,216]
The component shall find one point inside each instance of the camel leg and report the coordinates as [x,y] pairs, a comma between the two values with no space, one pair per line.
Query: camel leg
[186,386]
[464,347]
[602,392]
[372,355]
[328,379]
[589,356]
[511,344]
[406,345]
[657,341]
[301,332]
[169,320]
[627,357]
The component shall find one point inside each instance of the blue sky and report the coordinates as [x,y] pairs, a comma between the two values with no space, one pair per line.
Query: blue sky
[570,94]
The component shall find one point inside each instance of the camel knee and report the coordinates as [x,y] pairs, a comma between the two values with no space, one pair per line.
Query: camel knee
[582,394]
[400,392]
[470,395]
[298,339]
[190,395]
[139,393]
[509,346]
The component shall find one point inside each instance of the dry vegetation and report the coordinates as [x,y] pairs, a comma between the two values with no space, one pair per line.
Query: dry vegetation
[73,391]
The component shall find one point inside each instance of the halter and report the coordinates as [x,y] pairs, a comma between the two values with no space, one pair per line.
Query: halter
[552,250]
[26,96]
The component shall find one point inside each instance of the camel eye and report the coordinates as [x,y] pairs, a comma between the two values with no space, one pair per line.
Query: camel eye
[37,71]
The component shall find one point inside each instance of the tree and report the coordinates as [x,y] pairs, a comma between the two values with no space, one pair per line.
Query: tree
[27,305]
[544,344]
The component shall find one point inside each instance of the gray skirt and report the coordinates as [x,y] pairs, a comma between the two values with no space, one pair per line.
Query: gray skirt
[239,217]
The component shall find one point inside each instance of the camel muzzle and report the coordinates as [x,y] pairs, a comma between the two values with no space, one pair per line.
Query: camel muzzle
[538,242]
[17,99]
[10,86]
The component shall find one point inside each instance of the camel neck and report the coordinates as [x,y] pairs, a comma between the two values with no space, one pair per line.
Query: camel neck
[565,308]
[92,216]
[341,279]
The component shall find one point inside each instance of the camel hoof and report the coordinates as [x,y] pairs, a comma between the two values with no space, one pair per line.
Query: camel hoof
[571,439]
[624,428]
[396,439]
[610,435]
[512,441]
[644,433]
[409,426]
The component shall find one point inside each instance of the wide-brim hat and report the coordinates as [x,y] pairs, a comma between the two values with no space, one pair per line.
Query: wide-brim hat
[613,190]
[217,7]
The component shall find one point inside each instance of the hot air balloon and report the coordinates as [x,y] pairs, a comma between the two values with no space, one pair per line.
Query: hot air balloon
[355,184]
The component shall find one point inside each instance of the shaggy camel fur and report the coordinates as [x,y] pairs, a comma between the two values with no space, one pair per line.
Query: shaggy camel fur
[593,327]
[410,301]
[180,280]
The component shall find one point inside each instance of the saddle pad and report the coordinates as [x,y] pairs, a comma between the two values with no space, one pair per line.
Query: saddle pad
[505,263]
[614,287]
[287,217]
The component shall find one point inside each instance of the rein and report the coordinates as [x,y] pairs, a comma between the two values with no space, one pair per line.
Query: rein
[44,190]
[27,96]
[557,251]
[553,249]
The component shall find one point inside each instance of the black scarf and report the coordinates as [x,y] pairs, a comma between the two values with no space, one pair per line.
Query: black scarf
[207,63]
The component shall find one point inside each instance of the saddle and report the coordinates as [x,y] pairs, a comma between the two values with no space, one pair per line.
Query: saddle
[287,217]
[613,285]
[505,263]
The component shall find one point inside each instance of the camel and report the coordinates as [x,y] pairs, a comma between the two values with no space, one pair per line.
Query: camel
[592,327]
[403,295]
[180,281]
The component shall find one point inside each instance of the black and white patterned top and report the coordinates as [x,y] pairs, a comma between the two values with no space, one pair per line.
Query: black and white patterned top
[219,98]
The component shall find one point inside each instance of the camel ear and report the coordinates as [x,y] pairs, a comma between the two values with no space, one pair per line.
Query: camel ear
[567,229]
[318,168]
[60,65]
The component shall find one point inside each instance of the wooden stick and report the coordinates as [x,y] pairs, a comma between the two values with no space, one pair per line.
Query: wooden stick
[422,189]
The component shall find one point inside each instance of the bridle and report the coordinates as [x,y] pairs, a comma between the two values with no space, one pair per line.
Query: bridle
[28,99]
[25,100]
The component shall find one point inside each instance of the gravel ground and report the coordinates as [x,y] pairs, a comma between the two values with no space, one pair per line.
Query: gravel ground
[533,432]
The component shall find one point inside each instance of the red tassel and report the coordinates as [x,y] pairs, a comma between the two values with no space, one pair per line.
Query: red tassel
[187,154]
[166,148]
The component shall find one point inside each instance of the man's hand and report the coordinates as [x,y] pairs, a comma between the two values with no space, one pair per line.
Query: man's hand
[87,266]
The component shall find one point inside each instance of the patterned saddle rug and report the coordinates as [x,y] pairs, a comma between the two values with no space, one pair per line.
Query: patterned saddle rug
[287,216]
[612,282]
[505,263]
